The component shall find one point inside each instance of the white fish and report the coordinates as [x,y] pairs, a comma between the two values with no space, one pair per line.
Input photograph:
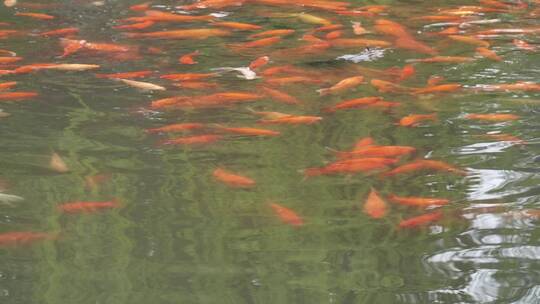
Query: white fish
[4,114]
[10,3]
[246,72]
[9,199]
[73,67]
[143,85]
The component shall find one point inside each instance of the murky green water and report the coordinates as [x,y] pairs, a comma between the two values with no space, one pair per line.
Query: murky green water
[180,236]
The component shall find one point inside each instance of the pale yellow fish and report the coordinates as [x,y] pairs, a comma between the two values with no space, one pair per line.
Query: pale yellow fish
[57,164]
[10,3]
[72,67]
[143,85]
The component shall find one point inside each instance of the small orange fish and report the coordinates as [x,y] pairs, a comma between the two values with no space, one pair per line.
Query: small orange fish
[424,164]
[365,165]
[189,58]
[363,142]
[470,40]
[60,32]
[442,88]
[357,42]
[291,120]
[375,206]
[343,85]
[421,220]
[159,16]
[233,179]
[7,85]
[135,26]
[418,201]
[279,95]
[287,215]
[384,86]
[272,33]
[518,86]
[36,16]
[258,43]
[196,34]
[487,53]
[407,72]
[127,75]
[193,140]
[10,96]
[8,60]
[334,35]
[78,207]
[23,237]
[293,80]
[259,62]
[377,151]
[492,117]
[238,26]
[248,131]
[176,128]
[352,104]
[188,76]
[413,120]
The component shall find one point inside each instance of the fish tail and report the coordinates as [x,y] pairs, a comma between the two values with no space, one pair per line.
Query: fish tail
[323,92]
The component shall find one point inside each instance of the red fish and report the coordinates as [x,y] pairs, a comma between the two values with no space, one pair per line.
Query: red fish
[10,96]
[36,16]
[287,215]
[7,85]
[421,220]
[8,60]
[487,53]
[159,16]
[189,58]
[78,207]
[418,201]
[23,237]
[193,140]
[375,206]
[196,34]
[441,88]
[232,179]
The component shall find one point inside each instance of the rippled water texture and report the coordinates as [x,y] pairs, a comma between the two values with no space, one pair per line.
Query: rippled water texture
[103,201]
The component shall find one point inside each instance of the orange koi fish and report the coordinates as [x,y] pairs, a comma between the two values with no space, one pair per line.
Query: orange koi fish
[287,215]
[388,87]
[279,95]
[492,117]
[106,47]
[232,179]
[259,62]
[403,40]
[176,128]
[238,26]
[23,237]
[284,69]
[523,45]
[366,165]
[414,45]
[188,77]
[189,58]
[140,7]
[7,85]
[343,85]
[333,35]
[60,32]
[197,34]
[363,142]
[421,220]
[8,60]
[248,131]
[193,140]
[352,104]
[159,16]
[377,151]
[442,88]
[487,53]
[272,33]
[127,75]
[208,101]
[375,206]
[418,201]
[424,164]
[407,72]
[414,120]
[36,16]
[12,96]
[328,28]
[78,207]
[135,26]
[291,120]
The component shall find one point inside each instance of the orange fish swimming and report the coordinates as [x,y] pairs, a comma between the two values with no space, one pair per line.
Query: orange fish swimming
[23,237]
[421,220]
[193,140]
[36,16]
[375,206]
[352,104]
[279,95]
[384,86]
[7,85]
[248,131]
[135,26]
[78,207]
[377,151]
[487,53]
[418,201]
[271,33]
[188,76]
[188,58]
[291,120]
[8,60]
[365,165]
[363,142]
[287,215]
[10,96]
[238,26]
[343,85]
[259,62]
[441,88]
[126,75]
[196,34]
[424,164]
[232,179]
[414,120]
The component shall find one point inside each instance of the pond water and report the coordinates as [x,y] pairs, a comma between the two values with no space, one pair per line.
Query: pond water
[100,205]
